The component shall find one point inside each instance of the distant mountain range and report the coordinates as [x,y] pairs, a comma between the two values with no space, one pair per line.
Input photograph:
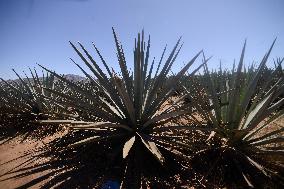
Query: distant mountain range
[70,77]
[74,78]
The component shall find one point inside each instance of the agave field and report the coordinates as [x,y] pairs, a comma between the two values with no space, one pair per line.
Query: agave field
[146,127]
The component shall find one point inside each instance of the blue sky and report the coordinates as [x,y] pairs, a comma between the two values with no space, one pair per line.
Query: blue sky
[38,31]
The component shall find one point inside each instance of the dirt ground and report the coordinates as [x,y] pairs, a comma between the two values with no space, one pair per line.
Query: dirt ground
[14,149]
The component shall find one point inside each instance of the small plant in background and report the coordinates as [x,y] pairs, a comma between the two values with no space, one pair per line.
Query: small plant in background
[27,100]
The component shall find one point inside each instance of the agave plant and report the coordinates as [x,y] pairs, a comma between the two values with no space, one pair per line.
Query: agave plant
[131,121]
[27,100]
[240,108]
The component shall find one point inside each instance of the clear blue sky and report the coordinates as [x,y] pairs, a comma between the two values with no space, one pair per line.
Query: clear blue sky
[38,31]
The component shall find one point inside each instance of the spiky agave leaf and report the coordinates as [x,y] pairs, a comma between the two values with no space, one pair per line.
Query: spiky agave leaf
[240,107]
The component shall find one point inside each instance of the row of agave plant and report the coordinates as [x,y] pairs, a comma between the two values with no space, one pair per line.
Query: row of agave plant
[150,127]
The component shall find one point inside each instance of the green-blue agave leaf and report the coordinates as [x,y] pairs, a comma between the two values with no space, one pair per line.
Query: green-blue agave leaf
[122,64]
[127,146]
[261,106]
[235,96]
[101,125]
[268,135]
[253,84]
[126,99]
[103,61]
[151,146]
[279,139]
